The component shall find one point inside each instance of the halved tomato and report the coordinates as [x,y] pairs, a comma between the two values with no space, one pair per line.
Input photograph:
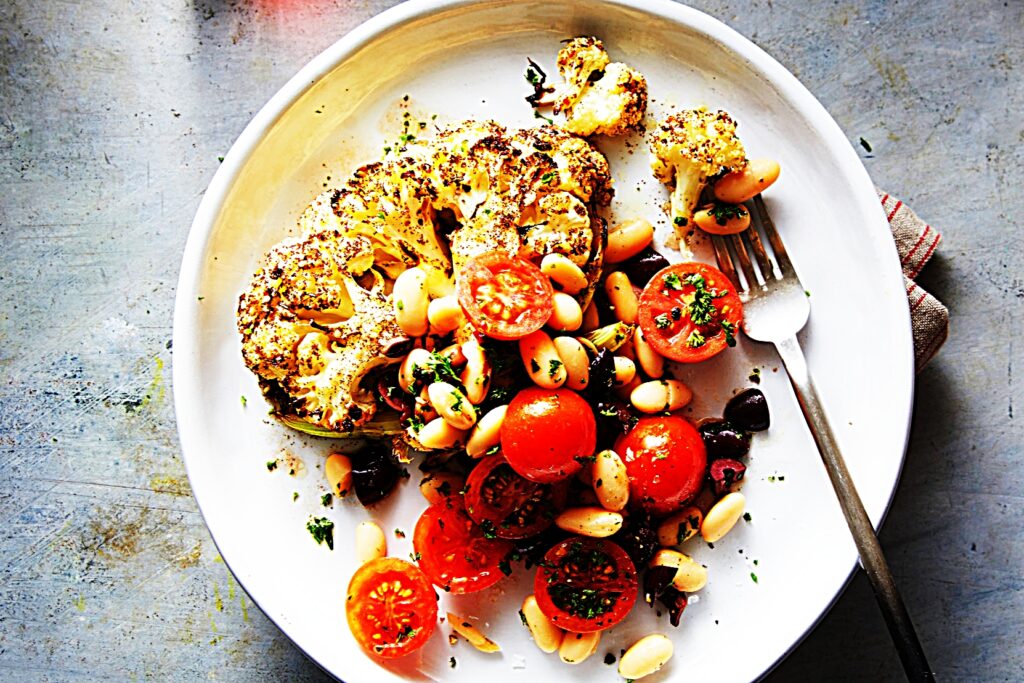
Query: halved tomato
[512,506]
[666,462]
[454,552]
[586,584]
[504,297]
[689,312]
[391,607]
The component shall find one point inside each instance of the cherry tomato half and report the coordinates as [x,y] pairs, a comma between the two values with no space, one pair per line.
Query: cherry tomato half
[586,584]
[547,433]
[504,297]
[391,607]
[690,312]
[454,552]
[665,461]
[514,507]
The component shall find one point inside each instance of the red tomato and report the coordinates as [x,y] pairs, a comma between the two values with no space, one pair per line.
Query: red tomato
[391,607]
[586,584]
[455,553]
[503,297]
[547,433]
[689,312]
[497,498]
[665,461]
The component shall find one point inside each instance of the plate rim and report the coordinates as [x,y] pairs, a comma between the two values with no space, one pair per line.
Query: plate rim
[184,377]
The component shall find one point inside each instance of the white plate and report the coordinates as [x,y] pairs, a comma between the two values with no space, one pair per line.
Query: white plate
[466,59]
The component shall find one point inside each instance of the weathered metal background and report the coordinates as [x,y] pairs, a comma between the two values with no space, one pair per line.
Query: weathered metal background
[112,117]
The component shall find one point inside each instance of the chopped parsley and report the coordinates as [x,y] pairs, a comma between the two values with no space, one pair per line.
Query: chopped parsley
[487,526]
[549,177]
[584,459]
[457,402]
[730,332]
[415,557]
[672,281]
[753,577]
[723,212]
[452,662]
[534,78]
[696,340]
[406,633]
[679,220]
[553,366]
[747,517]
[244,400]
[326,500]
[662,321]
[399,533]
[271,465]
[400,305]
[295,496]
[322,530]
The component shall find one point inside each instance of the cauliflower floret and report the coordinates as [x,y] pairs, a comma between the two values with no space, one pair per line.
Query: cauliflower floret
[598,96]
[311,329]
[558,225]
[553,160]
[687,149]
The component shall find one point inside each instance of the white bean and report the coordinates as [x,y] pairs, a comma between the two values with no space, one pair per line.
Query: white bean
[625,370]
[417,358]
[610,481]
[338,470]
[645,656]
[660,396]
[438,434]
[454,355]
[444,314]
[370,542]
[547,636]
[680,527]
[722,516]
[541,359]
[622,297]
[627,240]
[410,299]
[690,576]
[591,318]
[452,405]
[487,433]
[437,486]
[577,362]
[576,647]
[626,390]
[753,179]
[651,362]
[595,522]
[566,314]
[476,376]
[562,270]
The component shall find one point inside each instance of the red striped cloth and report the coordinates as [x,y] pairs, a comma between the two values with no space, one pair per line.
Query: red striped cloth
[916,241]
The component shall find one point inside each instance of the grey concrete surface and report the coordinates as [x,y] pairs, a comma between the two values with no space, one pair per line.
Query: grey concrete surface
[112,118]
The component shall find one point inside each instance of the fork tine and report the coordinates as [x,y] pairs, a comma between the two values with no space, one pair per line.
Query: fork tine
[781,258]
[725,261]
[756,246]
[745,265]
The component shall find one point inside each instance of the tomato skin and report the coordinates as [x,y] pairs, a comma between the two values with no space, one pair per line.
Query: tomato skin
[658,301]
[666,462]
[504,297]
[454,552]
[567,566]
[405,623]
[547,432]
[514,506]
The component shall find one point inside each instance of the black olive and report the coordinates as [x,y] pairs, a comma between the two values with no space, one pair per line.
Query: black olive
[642,267]
[374,473]
[602,375]
[532,550]
[722,440]
[614,418]
[656,581]
[748,410]
[638,540]
[675,600]
[724,473]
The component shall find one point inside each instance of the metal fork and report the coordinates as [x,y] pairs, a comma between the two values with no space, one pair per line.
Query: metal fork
[775,308]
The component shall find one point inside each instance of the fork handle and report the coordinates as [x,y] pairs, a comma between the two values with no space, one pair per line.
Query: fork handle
[871,558]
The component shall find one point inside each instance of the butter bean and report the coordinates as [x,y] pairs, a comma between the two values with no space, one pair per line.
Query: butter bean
[444,314]
[410,301]
[645,656]
[690,576]
[748,182]
[476,376]
[722,516]
[563,271]
[438,434]
[542,361]
[622,297]
[660,396]
[566,314]
[625,370]
[417,358]
[728,219]
[547,636]
[452,405]
[437,486]
[577,362]
[595,522]
[627,240]
[651,362]
[576,647]
[338,470]
[370,542]
[591,318]
[680,527]
[610,481]
[487,433]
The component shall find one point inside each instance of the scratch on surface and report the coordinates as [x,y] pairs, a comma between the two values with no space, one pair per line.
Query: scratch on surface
[217,602]
[171,485]
[893,75]
[80,603]
[191,558]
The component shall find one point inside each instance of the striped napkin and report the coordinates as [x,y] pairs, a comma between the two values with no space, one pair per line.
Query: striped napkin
[916,241]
